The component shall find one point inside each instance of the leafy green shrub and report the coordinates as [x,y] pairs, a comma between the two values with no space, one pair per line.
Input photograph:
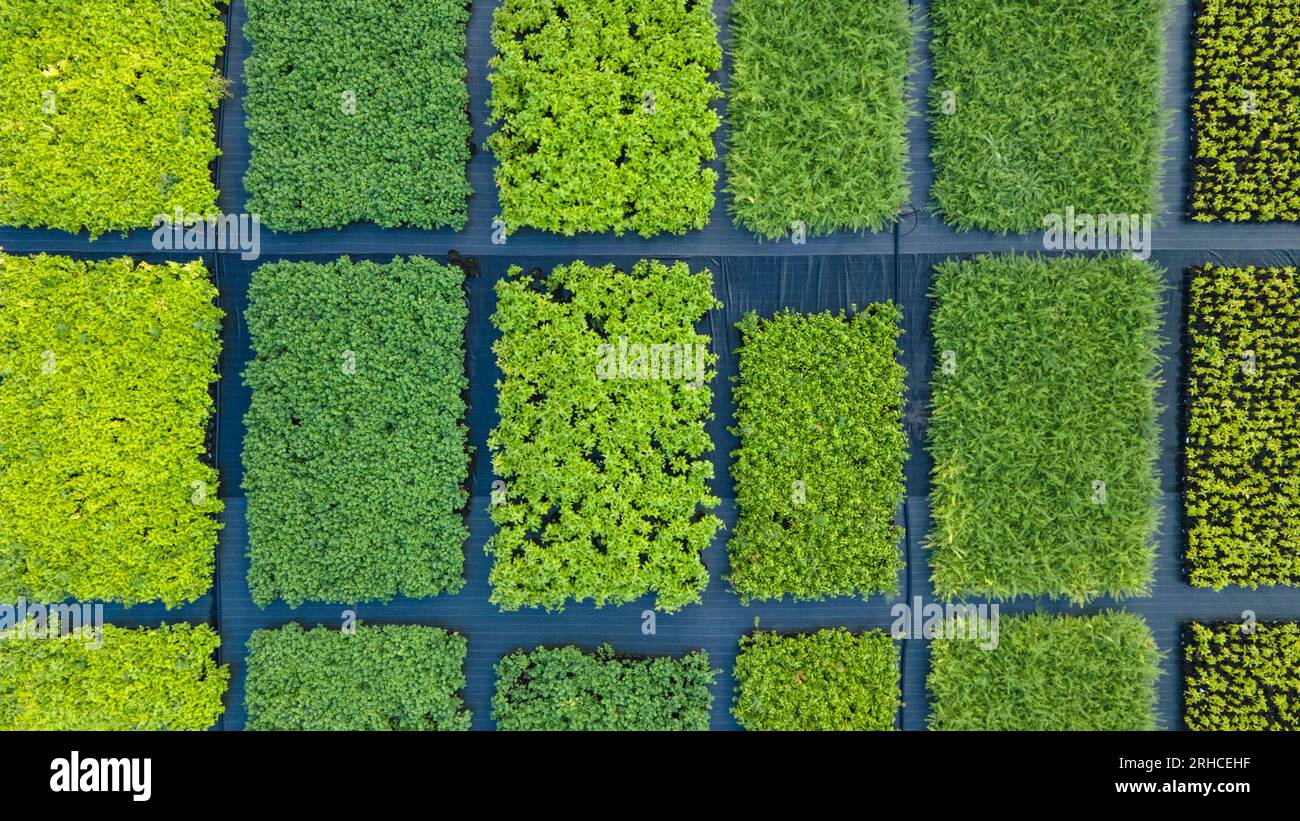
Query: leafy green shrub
[1242,491]
[357,111]
[604,112]
[1048,673]
[160,679]
[1246,111]
[601,444]
[1242,681]
[818,114]
[378,678]
[829,680]
[106,111]
[105,370]
[1044,430]
[356,454]
[1037,107]
[566,689]
[819,471]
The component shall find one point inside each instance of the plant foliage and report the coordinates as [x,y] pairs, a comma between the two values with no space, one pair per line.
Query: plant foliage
[390,677]
[1044,426]
[604,113]
[357,111]
[1246,111]
[1036,107]
[1242,491]
[160,679]
[566,689]
[106,111]
[818,114]
[601,444]
[1048,673]
[829,680]
[819,471]
[1239,680]
[356,453]
[105,369]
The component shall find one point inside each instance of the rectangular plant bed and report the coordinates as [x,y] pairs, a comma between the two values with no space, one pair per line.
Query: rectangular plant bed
[829,680]
[1043,429]
[356,456]
[601,450]
[105,489]
[1242,677]
[1242,488]
[564,688]
[819,471]
[1048,673]
[1246,111]
[106,111]
[604,114]
[356,112]
[1036,107]
[393,677]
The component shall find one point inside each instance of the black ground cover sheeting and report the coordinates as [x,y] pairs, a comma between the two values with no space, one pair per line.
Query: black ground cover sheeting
[827,273]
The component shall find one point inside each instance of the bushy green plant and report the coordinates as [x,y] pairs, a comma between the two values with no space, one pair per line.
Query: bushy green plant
[566,689]
[1044,426]
[1037,107]
[1246,111]
[819,471]
[357,111]
[105,489]
[1048,673]
[160,679]
[390,677]
[1242,680]
[818,114]
[1242,493]
[601,447]
[604,114]
[829,680]
[356,456]
[106,111]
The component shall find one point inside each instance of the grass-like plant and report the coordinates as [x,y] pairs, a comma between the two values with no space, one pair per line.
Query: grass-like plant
[106,111]
[1036,107]
[1044,426]
[357,111]
[1242,494]
[829,680]
[818,114]
[106,492]
[1242,677]
[356,456]
[1048,673]
[819,471]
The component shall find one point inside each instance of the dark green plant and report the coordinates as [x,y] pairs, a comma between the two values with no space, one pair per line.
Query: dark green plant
[356,454]
[1240,680]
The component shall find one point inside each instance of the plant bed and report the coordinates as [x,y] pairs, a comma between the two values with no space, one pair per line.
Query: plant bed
[1246,111]
[829,680]
[601,451]
[356,454]
[357,112]
[106,112]
[1039,107]
[1048,673]
[106,492]
[1241,488]
[818,114]
[564,688]
[393,677]
[604,114]
[819,471]
[159,679]
[1044,427]
[1239,680]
